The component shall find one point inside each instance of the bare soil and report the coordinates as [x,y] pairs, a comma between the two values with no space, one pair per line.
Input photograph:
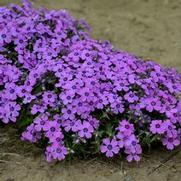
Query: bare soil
[150,29]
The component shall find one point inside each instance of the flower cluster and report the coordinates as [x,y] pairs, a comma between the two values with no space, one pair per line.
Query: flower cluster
[70,90]
[125,138]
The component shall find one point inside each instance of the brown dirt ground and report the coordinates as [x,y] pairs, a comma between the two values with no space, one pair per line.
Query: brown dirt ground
[148,28]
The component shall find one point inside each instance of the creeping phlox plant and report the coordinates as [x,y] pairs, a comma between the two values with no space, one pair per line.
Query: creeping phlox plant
[79,95]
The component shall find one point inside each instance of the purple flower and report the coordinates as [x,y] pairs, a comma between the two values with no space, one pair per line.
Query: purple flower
[132,157]
[68,112]
[171,142]
[11,112]
[131,97]
[125,127]
[56,152]
[51,128]
[57,139]
[110,147]
[38,109]
[94,122]
[85,130]
[117,107]
[11,93]
[157,127]
[170,128]
[66,98]
[28,98]
[151,104]
[31,135]
[72,125]
[49,98]
[40,122]
[22,91]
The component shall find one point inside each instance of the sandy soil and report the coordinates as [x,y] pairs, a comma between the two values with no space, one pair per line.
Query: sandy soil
[148,28]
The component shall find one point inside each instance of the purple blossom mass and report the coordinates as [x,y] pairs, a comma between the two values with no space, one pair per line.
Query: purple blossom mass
[110,147]
[73,92]
[157,126]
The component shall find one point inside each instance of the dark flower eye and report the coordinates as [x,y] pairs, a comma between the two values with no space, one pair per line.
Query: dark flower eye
[12,91]
[74,87]
[131,95]
[87,54]
[85,130]
[79,104]
[49,95]
[12,109]
[68,97]
[52,129]
[153,103]
[58,150]
[92,82]
[72,124]
[3,36]
[133,143]
[35,75]
[127,126]
[21,41]
[58,139]
[170,140]
[23,90]
[42,122]
[109,147]
[69,111]
[157,125]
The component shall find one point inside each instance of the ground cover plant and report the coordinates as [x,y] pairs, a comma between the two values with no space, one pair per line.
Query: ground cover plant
[78,95]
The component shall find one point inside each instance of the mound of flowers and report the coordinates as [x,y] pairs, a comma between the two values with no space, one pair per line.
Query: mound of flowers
[79,95]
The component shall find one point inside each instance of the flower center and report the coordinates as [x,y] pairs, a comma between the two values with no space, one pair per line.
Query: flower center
[86,94]
[109,147]
[131,95]
[87,55]
[49,95]
[59,150]
[170,140]
[68,97]
[74,87]
[58,139]
[72,124]
[3,36]
[157,125]
[85,130]
[52,129]
[69,111]
[12,109]
[23,91]
[12,91]
[42,122]
[153,103]
[134,143]
[79,104]
[127,126]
